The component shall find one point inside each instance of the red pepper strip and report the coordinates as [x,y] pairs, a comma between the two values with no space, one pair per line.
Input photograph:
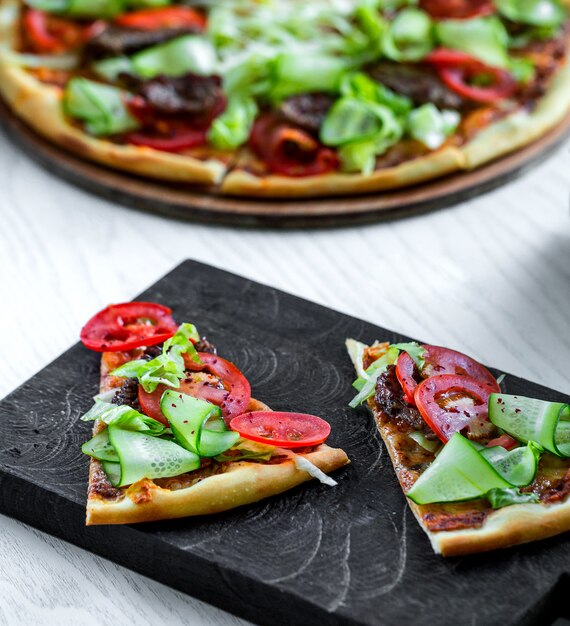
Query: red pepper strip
[163,17]
[457,9]
[180,137]
[456,69]
[53,35]
[288,150]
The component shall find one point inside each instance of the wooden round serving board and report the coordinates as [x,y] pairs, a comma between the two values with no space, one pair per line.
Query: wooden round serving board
[191,203]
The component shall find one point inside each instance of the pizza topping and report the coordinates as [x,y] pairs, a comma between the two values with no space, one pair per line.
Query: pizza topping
[457,9]
[116,41]
[288,150]
[472,79]
[126,326]
[169,366]
[232,128]
[307,111]
[303,464]
[127,394]
[528,419]
[419,83]
[196,424]
[157,18]
[543,13]
[461,472]
[409,36]
[436,361]
[450,403]
[286,430]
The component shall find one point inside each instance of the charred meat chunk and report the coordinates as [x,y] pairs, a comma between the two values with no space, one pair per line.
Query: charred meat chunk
[117,41]
[190,94]
[419,83]
[390,399]
[128,394]
[206,346]
[307,111]
[152,352]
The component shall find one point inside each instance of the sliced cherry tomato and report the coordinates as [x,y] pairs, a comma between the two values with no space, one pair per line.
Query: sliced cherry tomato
[180,137]
[460,71]
[440,361]
[457,9]
[505,441]
[286,430]
[48,34]
[163,17]
[289,150]
[450,403]
[127,326]
[232,397]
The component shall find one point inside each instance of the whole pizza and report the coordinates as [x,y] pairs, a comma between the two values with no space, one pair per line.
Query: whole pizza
[286,98]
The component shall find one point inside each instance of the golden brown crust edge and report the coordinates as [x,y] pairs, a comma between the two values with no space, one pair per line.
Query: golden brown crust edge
[243,483]
[503,528]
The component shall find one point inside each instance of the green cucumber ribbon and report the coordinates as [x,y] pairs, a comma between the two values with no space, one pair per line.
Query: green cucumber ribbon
[167,368]
[546,13]
[232,128]
[197,424]
[431,126]
[102,108]
[93,9]
[484,38]
[135,446]
[409,37]
[461,472]
[179,56]
[528,419]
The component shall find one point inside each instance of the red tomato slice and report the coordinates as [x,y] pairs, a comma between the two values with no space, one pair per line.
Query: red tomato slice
[457,9]
[449,403]
[458,71]
[440,361]
[505,441]
[163,17]
[288,150]
[181,138]
[126,326]
[233,399]
[286,430]
[48,34]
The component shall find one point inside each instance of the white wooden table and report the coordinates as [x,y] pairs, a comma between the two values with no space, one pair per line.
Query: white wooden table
[490,277]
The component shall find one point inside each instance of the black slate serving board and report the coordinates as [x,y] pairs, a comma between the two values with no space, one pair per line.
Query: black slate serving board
[352,554]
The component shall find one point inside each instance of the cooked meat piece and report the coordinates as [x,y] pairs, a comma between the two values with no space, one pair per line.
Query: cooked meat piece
[390,399]
[152,352]
[190,94]
[307,110]
[418,82]
[128,394]
[117,41]
[205,346]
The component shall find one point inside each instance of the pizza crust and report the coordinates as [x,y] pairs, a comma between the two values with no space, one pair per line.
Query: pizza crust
[503,528]
[242,483]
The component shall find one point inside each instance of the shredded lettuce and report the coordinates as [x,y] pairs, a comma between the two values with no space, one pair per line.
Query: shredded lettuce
[409,37]
[549,13]
[232,128]
[372,374]
[431,126]
[415,350]
[245,449]
[167,368]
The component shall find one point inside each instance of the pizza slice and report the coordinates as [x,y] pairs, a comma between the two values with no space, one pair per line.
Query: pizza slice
[481,469]
[176,431]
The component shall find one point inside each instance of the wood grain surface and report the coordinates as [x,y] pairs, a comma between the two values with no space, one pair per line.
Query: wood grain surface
[208,205]
[490,277]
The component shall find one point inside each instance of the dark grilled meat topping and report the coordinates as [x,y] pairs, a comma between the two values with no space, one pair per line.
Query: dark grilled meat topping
[189,94]
[419,83]
[117,40]
[390,399]
[206,346]
[307,110]
[128,394]
[152,352]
